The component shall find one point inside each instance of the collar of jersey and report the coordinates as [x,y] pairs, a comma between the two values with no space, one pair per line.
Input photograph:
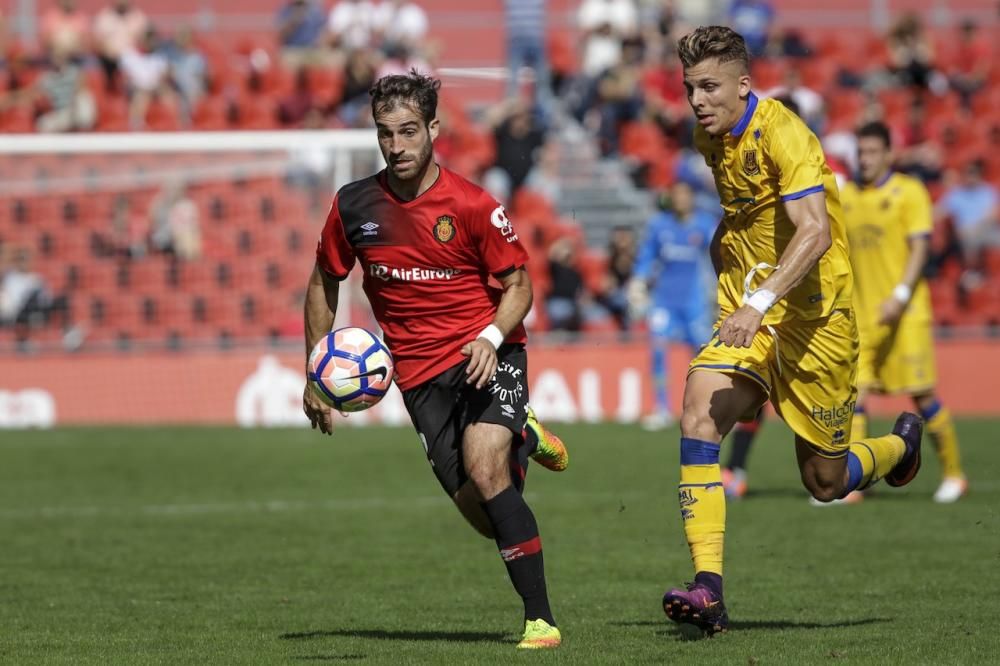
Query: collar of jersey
[747,116]
[882,181]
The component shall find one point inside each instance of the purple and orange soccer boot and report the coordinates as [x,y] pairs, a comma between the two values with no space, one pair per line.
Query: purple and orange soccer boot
[909,428]
[698,610]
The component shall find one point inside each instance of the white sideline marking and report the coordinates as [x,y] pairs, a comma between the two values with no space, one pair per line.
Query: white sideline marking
[279,506]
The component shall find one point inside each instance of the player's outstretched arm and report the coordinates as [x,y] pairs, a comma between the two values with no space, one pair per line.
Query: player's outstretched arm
[894,306]
[322,294]
[809,242]
[511,311]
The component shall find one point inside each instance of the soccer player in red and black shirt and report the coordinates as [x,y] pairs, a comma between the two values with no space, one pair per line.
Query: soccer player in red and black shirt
[428,241]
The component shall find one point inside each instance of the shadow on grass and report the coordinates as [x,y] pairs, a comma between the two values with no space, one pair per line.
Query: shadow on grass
[329,657]
[750,625]
[388,635]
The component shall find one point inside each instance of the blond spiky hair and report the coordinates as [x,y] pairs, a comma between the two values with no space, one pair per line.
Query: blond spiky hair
[713,41]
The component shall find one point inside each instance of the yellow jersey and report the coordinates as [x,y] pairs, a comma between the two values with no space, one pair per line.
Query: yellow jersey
[880,220]
[770,157]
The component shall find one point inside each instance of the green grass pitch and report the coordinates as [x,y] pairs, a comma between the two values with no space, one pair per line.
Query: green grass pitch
[222,546]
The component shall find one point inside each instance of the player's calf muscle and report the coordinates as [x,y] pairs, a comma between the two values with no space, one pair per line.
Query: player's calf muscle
[824,478]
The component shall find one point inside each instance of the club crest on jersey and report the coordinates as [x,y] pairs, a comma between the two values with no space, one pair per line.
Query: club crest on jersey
[444,230]
[750,165]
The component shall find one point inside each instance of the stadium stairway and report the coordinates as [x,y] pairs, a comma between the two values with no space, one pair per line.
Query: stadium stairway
[597,193]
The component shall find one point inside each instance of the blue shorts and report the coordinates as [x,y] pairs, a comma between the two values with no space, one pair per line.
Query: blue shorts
[692,325]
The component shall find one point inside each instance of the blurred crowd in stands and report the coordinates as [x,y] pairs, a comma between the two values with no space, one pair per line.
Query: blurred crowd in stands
[615,73]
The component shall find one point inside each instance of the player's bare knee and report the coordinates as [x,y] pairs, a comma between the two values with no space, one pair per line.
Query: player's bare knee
[489,476]
[697,424]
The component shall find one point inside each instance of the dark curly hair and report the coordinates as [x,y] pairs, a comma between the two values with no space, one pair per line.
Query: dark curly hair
[878,130]
[413,89]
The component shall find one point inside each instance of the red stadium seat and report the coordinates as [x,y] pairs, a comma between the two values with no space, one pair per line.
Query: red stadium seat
[211,113]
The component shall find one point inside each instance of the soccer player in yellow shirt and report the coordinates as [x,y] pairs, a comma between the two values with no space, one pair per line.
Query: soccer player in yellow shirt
[786,328]
[888,218]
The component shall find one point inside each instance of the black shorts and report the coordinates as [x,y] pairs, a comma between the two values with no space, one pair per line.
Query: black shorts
[443,407]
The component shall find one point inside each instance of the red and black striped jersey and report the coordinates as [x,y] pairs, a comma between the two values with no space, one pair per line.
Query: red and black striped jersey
[426,265]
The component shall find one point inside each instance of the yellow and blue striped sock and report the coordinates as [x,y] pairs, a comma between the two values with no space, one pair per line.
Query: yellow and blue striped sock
[942,431]
[870,459]
[703,504]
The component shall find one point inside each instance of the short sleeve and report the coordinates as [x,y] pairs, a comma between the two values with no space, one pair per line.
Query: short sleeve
[496,240]
[797,154]
[334,253]
[917,210]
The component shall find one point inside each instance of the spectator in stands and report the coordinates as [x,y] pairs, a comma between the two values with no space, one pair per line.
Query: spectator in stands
[544,177]
[919,154]
[359,76]
[911,53]
[351,24]
[26,301]
[525,24]
[605,24]
[617,97]
[301,24]
[972,63]
[399,23]
[786,43]
[147,76]
[68,105]
[174,222]
[808,103]
[65,28]
[517,136]
[659,20]
[563,304]
[295,107]
[400,59]
[663,96]
[121,241]
[752,19]
[973,205]
[117,28]
[188,69]
[622,249]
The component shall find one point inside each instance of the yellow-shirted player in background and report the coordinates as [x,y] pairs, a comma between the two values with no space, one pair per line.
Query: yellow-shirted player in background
[786,328]
[888,217]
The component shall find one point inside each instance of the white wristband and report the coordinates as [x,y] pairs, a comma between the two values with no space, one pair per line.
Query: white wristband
[761,300]
[493,335]
[902,293]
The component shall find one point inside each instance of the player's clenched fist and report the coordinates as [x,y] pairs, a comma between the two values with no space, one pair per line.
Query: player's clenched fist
[739,328]
[482,362]
[320,416]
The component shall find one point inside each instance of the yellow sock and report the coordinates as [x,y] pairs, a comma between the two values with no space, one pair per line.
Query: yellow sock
[942,431]
[870,459]
[859,427]
[703,503]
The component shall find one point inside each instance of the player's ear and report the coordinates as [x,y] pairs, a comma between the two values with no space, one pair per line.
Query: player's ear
[432,128]
[744,85]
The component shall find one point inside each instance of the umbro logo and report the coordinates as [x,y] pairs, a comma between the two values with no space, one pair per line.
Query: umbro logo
[507,410]
[508,554]
[369,228]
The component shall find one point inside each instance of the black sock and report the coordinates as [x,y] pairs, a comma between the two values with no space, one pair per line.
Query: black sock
[743,437]
[712,581]
[516,535]
[519,456]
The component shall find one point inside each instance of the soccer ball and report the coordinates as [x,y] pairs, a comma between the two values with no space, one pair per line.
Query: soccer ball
[350,369]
